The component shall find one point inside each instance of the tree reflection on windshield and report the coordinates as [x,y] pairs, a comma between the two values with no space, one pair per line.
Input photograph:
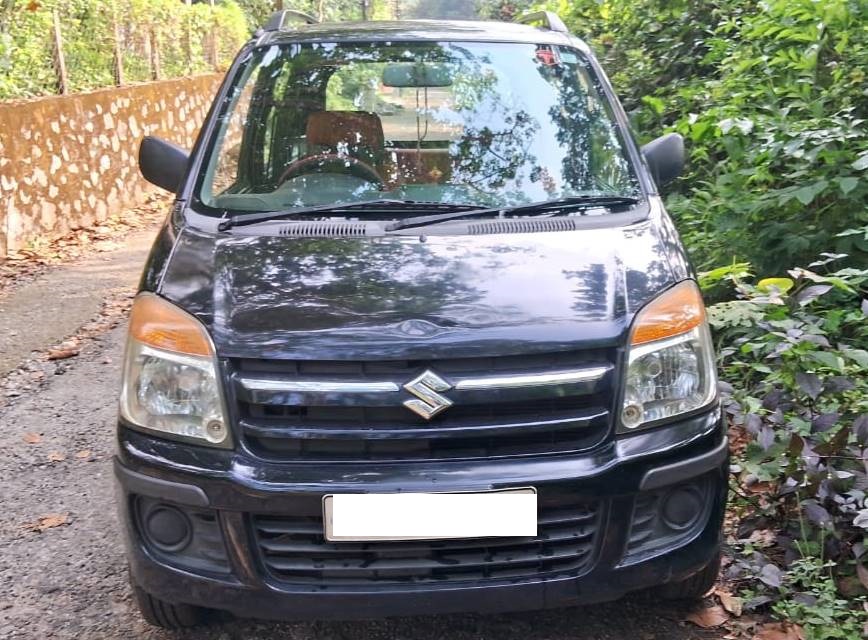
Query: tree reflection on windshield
[495,123]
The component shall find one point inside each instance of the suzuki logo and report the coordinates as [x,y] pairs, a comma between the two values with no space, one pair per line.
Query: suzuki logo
[428,402]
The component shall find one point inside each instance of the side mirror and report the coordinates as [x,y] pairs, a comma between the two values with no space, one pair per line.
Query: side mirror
[665,157]
[162,163]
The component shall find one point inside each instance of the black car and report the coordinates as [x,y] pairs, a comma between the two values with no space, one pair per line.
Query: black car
[418,336]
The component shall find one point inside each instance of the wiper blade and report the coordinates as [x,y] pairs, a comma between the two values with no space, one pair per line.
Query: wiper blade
[533,208]
[384,204]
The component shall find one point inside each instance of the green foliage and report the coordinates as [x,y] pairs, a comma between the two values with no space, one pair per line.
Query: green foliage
[771,98]
[464,9]
[179,34]
[810,599]
[257,12]
[793,351]
[807,595]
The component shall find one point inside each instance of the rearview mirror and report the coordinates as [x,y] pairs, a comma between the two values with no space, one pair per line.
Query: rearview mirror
[665,157]
[162,163]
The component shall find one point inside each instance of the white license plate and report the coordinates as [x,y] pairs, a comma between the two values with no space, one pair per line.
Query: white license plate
[429,516]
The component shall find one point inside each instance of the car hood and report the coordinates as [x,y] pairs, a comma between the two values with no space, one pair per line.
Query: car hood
[409,297]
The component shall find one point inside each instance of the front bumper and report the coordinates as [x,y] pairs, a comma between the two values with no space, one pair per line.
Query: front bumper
[231,487]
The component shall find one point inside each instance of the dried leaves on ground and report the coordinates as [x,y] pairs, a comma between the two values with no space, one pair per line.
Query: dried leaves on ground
[62,353]
[732,604]
[780,631]
[48,521]
[708,617]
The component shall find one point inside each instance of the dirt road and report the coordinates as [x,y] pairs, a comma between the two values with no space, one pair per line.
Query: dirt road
[62,570]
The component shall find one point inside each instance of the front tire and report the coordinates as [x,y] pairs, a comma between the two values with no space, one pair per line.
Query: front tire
[168,615]
[696,586]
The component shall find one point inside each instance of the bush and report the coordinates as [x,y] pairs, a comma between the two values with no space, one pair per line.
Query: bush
[793,351]
[771,98]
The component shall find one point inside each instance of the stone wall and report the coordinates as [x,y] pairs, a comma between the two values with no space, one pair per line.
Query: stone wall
[69,161]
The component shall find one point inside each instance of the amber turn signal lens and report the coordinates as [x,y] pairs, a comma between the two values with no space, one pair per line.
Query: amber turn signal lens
[677,311]
[162,325]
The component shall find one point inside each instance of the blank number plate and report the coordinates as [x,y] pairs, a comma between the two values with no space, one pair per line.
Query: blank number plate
[364,517]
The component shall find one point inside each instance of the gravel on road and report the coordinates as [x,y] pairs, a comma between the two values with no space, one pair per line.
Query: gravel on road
[62,567]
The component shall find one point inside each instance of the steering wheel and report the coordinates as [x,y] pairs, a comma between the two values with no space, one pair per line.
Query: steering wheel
[357,167]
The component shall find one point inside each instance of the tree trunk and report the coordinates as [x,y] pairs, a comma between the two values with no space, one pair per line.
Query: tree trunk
[118,53]
[188,36]
[155,54]
[215,55]
[59,61]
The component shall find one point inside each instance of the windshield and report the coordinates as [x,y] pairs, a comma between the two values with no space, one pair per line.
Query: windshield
[494,124]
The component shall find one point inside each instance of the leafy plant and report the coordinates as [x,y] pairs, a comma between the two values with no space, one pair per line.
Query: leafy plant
[810,599]
[793,354]
[770,97]
[794,351]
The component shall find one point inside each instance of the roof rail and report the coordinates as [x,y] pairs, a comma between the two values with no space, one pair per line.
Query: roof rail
[279,19]
[550,20]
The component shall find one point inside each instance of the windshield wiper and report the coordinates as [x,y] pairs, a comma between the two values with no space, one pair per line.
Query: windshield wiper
[533,208]
[384,205]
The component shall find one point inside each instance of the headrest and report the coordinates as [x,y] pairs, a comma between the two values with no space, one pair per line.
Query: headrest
[353,128]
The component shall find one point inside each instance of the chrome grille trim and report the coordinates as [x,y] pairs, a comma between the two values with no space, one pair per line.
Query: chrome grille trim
[534,380]
[316,386]
[590,374]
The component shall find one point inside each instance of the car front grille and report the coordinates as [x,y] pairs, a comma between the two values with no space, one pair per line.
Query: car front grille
[350,411]
[293,550]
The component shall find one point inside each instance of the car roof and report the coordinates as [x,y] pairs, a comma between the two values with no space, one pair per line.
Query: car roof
[436,30]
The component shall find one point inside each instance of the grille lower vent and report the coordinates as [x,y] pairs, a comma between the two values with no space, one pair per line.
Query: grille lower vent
[294,550]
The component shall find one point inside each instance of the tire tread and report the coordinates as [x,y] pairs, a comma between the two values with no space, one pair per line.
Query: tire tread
[696,586]
[167,615]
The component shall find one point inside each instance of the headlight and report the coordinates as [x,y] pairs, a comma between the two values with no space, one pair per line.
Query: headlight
[670,367]
[170,383]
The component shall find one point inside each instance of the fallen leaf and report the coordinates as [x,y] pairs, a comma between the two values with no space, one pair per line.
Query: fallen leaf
[49,521]
[61,354]
[56,456]
[32,438]
[780,631]
[761,487]
[709,617]
[84,453]
[733,604]
[762,538]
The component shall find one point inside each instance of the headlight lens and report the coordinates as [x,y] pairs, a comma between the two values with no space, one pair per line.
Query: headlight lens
[668,375]
[170,382]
